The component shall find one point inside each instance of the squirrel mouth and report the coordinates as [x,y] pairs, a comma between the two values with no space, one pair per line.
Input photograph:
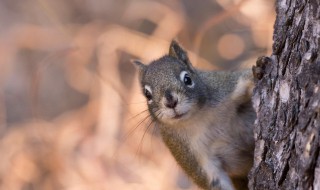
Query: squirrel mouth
[178,116]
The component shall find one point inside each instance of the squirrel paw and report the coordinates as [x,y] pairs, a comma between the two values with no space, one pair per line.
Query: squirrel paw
[218,184]
[243,90]
[259,70]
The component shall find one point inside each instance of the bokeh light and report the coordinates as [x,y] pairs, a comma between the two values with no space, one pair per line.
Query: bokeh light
[230,46]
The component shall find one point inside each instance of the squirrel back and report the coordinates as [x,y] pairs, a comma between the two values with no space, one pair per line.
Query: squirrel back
[205,118]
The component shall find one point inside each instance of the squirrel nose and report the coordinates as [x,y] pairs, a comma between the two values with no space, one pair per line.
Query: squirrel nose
[171,102]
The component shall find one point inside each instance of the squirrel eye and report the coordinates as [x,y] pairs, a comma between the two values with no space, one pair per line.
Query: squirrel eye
[147,92]
[186,79]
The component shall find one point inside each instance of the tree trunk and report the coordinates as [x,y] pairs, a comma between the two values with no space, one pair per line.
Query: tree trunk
[287,102]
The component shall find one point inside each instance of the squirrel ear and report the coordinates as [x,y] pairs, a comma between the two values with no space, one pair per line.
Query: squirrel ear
[178,52]
[139,65]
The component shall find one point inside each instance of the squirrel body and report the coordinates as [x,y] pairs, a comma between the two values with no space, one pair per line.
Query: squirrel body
[205,118]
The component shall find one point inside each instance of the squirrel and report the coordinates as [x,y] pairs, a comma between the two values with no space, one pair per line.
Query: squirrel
[205,118]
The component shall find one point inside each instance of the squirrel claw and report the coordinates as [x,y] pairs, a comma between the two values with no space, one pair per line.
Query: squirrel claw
[216,184]
[259,70]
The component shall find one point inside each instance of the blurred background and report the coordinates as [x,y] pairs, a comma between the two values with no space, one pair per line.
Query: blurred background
[71,113]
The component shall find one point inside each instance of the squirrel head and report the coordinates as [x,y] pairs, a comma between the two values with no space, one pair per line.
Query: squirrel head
[172,87]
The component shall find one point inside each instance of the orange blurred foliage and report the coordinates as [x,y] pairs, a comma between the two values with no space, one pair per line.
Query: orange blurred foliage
[71,113]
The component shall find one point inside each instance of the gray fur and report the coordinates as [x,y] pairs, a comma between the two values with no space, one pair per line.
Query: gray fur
[213,142]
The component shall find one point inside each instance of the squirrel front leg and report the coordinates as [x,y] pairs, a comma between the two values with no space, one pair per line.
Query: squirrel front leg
[243,90]
[218,178]
[222,182]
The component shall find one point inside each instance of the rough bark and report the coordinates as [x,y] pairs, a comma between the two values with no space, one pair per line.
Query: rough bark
[287,101]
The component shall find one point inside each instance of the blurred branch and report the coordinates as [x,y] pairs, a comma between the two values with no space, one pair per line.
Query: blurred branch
[51,14]
[169,22]
[43,65]
[214,20]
